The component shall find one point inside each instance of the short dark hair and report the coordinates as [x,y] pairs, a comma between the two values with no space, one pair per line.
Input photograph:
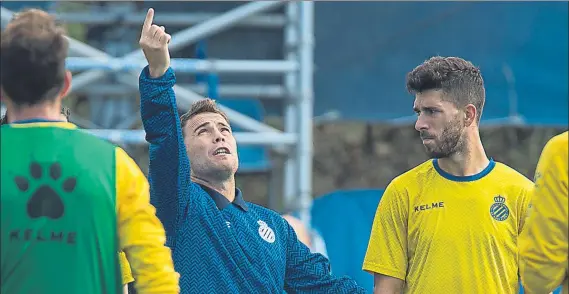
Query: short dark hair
[202,106]
[32,54]
[460,81]
[64,110]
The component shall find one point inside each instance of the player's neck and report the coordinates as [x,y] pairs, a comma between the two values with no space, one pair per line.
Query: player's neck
[225,188]
[47,111]
[471,161]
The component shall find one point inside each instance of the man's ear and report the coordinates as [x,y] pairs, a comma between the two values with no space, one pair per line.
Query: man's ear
[470,114]
[66,85]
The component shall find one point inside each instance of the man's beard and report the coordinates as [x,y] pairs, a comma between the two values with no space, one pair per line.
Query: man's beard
[448,143]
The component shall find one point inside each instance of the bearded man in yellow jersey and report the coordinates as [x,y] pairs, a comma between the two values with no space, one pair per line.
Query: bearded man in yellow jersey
[543,243]
[451,224]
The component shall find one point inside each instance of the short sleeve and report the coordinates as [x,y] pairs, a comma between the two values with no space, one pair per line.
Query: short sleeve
[387,248]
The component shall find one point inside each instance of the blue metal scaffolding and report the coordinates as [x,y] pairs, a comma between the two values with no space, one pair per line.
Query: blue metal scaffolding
[296,67]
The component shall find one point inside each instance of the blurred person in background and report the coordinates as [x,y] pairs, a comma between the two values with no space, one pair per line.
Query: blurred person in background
[451,224]
[125,266]
[219,241]
[543,243]
[66,195]
[308,236]
[300,229]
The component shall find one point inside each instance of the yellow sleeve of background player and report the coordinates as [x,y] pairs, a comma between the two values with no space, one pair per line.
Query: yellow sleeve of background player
[525,204]
[141,234]
[387,249]
[125,269]
[543,242]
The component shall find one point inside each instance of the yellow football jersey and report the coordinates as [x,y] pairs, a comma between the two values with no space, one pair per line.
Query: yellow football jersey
[543,243]
[447,234]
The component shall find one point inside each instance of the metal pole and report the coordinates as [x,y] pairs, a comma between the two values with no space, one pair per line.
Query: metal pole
[290,183]
[184,96]
[305,105]
[75,46]
[227,90]
[189,97]
[185,65]
[5,16]
[80,48]
[214,25]
[187,36]
[166,18]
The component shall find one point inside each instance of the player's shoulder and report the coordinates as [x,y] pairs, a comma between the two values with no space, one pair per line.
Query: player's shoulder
[410,177]
[97,142]
[506,175]
[91,138]
[558,144]
[560,140]
[98,145]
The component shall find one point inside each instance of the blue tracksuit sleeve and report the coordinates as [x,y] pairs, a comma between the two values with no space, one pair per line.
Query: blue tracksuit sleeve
[308,272]
[169,171]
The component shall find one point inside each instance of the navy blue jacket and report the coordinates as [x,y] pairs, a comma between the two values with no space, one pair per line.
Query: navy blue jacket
[217,246]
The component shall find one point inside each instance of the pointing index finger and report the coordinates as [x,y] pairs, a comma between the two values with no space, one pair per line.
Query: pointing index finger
[149,19]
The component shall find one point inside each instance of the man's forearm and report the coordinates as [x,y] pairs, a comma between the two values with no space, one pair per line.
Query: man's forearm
[387,285]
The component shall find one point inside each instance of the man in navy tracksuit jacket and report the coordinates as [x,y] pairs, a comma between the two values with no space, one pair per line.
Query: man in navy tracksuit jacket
[220,243]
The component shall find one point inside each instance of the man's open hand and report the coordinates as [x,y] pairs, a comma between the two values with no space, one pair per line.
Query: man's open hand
[154,43]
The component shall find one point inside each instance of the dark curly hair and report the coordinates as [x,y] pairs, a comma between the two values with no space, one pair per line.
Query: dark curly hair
[64,110]
[459,80]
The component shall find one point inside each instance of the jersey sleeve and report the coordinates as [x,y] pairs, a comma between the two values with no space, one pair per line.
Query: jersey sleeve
[525,205]
[125,269]
[169,168]
[141,234]
[543,243]
[387,249]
